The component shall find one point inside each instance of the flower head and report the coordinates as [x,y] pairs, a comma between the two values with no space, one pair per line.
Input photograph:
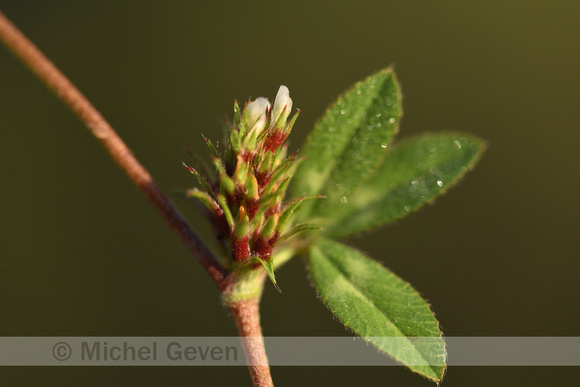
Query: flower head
[246,195]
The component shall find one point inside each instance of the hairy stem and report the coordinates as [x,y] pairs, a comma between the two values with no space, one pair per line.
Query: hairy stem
[32,57]
[247,316]
[243,296]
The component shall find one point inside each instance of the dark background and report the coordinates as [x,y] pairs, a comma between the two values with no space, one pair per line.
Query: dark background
[82,253]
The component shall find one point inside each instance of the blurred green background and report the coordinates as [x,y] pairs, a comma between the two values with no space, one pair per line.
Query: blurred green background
[82,253]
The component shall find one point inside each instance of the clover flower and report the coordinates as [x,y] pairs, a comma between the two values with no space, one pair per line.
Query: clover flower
[245,196]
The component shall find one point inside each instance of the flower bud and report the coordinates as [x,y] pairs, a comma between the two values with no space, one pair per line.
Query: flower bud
[227,185]
[252,187]
[241,172]
[242,229]
[283,103]
[256,111]
[269,228]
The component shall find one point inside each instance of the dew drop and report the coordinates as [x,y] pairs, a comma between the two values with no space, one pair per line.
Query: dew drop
[439,183]
[392,120]
[380,114]
[457,144]
[384,146]
[342,111]
[344,199]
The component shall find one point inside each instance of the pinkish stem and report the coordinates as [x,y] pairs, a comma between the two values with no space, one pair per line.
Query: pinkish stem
[245,311]
[33,58]
[247,316]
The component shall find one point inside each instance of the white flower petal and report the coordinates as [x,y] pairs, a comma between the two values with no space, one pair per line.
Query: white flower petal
[255,109]
[259,126]
[282,100]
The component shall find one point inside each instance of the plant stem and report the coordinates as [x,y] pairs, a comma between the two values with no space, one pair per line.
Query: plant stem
[32,57]
[245,310]
[247,316]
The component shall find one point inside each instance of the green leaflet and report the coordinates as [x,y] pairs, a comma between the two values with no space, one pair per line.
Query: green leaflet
[414,173]
[348,143]
[378,306]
